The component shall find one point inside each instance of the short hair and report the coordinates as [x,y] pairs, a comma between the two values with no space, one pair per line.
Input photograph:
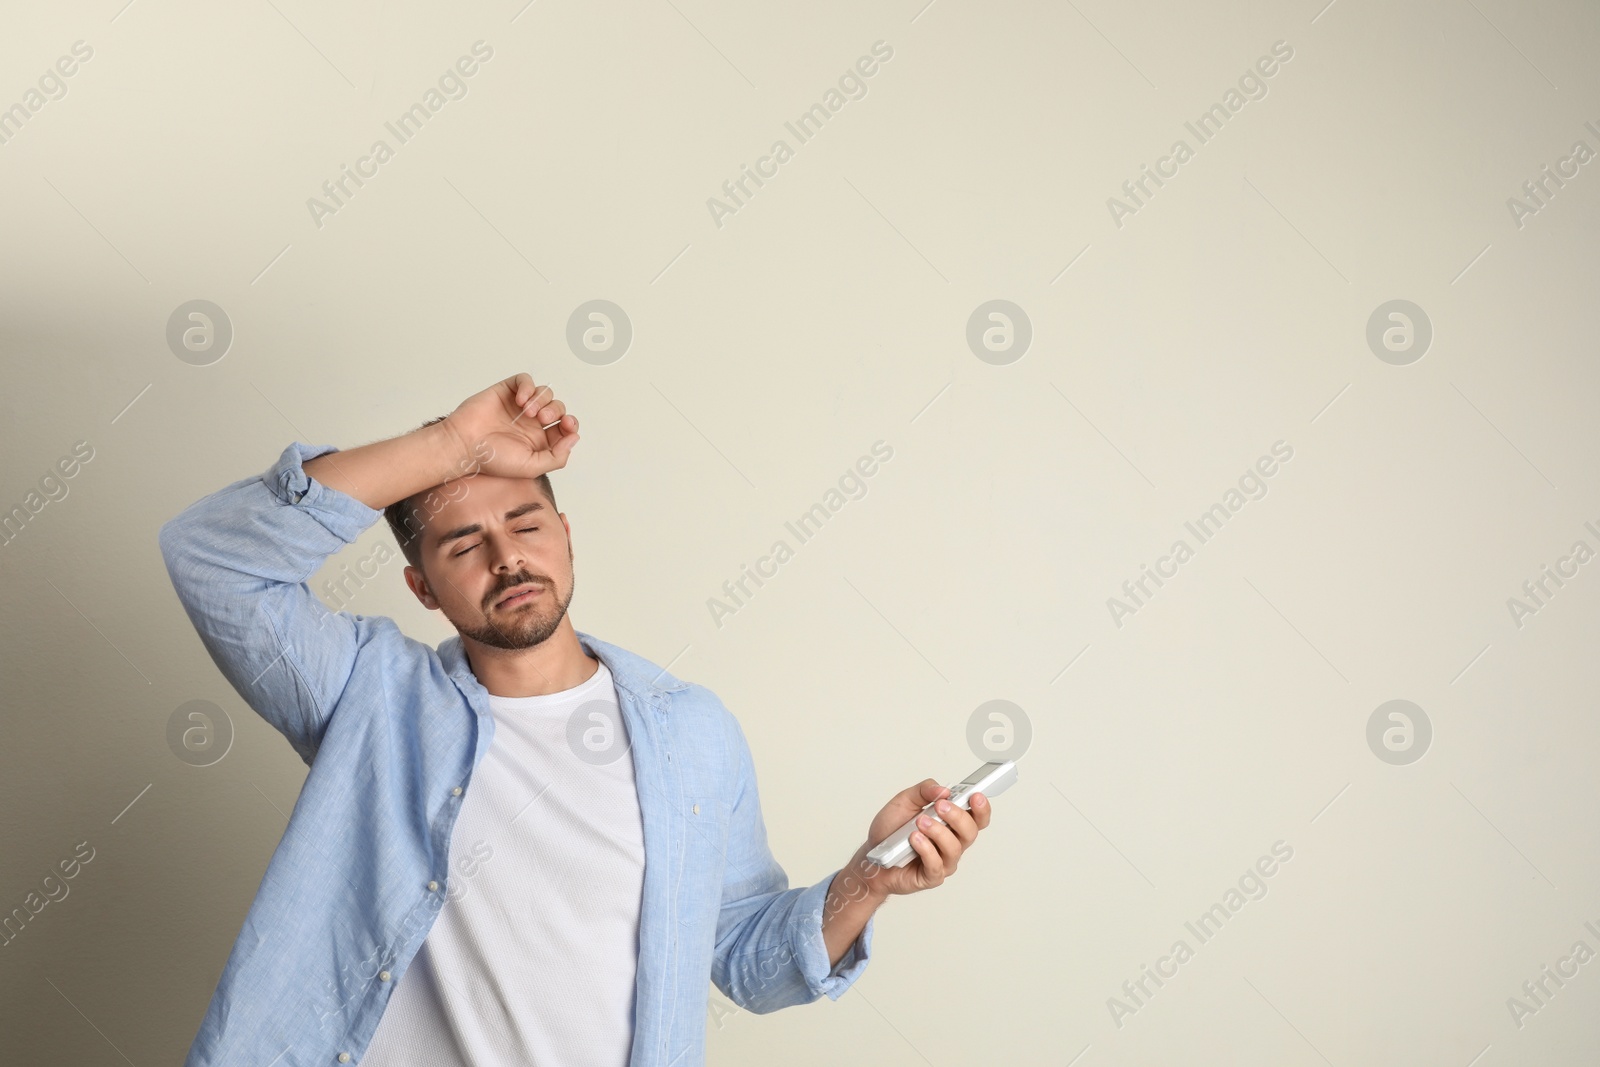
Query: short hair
[405,517]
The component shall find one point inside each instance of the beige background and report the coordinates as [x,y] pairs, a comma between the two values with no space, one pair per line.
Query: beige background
[1229,313]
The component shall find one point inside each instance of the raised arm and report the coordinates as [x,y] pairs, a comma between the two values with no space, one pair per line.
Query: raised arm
[513,429]
[239,557]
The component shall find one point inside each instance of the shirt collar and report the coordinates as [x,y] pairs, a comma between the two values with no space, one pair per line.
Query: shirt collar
[643,679]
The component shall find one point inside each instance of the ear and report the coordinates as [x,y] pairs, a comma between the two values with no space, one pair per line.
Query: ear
[419,587]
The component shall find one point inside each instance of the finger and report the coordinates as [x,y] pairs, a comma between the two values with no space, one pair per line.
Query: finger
[982,810]
[960,822]
[914,798]
[523,391]
[945,840]
[932,865]
[521,385]
[551,414]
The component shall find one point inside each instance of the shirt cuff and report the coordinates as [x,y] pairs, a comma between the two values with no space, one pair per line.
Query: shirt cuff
[343,515]
[812,951]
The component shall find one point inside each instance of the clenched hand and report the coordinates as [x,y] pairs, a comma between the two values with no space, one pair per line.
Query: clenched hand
[515,429]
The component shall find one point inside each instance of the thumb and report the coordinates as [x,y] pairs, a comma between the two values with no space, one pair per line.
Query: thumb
[563,448]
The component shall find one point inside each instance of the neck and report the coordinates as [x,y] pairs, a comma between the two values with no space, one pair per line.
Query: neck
[556,664]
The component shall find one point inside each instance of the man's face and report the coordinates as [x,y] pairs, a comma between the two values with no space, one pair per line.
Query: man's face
[494,538]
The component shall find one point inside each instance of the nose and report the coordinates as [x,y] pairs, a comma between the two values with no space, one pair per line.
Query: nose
[507,554]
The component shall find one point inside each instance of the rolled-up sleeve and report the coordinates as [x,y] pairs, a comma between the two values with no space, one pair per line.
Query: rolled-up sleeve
[770,952]
[812,950]
[239,559]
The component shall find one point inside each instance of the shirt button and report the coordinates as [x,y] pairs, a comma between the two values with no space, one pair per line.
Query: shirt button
[344,1057]
[456,791]
[433,887]
[383,976]
[697,809]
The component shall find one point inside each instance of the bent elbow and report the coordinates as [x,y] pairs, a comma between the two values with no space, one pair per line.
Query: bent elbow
[176,539]
[762,991]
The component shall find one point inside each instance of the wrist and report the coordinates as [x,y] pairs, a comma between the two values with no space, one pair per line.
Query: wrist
[862,878]
[851,900]
[454,453]
[460,452]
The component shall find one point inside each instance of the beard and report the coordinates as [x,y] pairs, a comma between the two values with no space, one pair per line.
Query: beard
[526,625]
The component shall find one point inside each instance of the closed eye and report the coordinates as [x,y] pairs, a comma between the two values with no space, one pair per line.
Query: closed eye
[469,548]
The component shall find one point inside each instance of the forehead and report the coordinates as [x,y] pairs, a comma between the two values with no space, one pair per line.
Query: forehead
[478,499]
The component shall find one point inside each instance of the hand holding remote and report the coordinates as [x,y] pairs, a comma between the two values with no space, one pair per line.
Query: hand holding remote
[991,779]
[924,822]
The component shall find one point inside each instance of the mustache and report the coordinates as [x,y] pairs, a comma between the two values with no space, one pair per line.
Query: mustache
[513,582]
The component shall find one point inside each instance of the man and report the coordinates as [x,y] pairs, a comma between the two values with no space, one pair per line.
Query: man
[565,839]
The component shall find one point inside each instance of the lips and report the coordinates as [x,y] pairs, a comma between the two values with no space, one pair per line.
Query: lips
[517,594]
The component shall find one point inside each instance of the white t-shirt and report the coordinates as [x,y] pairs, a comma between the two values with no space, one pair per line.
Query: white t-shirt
[533,957]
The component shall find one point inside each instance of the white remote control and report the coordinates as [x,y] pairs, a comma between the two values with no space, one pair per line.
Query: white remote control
[991,780]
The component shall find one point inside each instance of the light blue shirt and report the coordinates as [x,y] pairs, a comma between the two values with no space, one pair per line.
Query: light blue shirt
[392,731]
